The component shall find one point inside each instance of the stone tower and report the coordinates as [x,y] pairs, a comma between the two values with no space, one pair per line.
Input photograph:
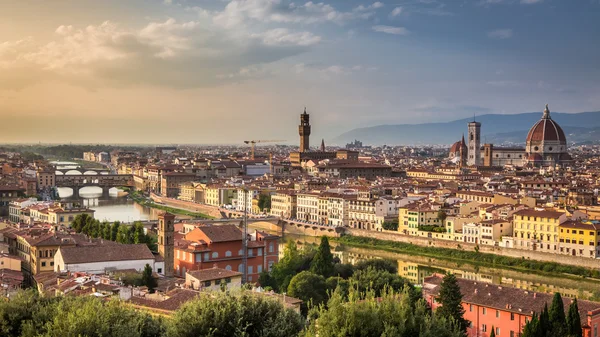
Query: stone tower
[166,245]
[474,143]
[304,131]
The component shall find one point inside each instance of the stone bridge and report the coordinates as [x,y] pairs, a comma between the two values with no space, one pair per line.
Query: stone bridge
[81,170]
[105,181]
[274,223]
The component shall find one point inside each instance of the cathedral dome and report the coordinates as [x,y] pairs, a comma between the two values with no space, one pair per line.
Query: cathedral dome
[546,130]
[455,147]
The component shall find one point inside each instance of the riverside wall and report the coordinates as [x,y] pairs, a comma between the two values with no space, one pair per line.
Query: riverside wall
[187,205]
[509,252]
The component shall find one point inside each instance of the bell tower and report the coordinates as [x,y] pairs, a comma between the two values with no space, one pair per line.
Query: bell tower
[166,245]
[304,131]
[474,144]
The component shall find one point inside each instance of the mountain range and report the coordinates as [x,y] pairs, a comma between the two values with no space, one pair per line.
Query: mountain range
[579,128]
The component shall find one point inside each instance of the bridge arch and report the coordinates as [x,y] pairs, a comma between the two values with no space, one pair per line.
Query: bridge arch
[90,173]
[73,172]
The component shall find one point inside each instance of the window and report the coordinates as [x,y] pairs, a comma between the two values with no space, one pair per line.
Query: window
[206,256]
[271,247]
[483,327]
[198,257]
[484,311]
[228,253]
[497,313]
[250,270]
[159,270]
[207,283]
[228,267]
[512,316]
[215,255]
[259,268]
[471,307]
[228,280]
[497,331]
[43,264]
[259,253]
[217,282]
[241,268]
[512,333]
[241,252]
[51,263]
[250,252]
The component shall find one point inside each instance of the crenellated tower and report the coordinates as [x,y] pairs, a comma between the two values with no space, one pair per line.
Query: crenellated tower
[304,131]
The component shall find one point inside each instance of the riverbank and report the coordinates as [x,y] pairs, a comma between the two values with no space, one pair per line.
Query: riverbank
[476,258]
[143,201]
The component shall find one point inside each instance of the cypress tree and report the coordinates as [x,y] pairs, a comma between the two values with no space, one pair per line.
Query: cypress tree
[545,324]
[532,328]
[147,279]
[450,298]
[322,263]
[493,333]
[557,317]
[574,321]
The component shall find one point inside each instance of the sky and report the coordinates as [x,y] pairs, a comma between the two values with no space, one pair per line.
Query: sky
[224,71]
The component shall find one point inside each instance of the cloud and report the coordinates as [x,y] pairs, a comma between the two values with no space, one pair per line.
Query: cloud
[396,11]
[168,53]
[390,30]
[500,34]
[531,2]
[238,12]
[283,36]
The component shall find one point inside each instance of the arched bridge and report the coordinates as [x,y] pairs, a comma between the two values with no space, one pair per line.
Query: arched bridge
[82,171]
[105,181]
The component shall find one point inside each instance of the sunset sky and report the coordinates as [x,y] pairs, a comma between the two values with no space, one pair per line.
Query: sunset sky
[222,71]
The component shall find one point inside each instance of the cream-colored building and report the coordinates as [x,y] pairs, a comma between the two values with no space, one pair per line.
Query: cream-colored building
[214,279]
[283,204]
[307,208]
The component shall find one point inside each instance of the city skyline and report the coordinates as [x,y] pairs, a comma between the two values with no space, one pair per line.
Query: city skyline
[202,71]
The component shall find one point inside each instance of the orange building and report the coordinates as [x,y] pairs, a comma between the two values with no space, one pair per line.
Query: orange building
[506,309]
[221,246]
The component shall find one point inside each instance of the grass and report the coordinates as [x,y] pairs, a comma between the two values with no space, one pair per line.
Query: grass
[140,199]
[477,258]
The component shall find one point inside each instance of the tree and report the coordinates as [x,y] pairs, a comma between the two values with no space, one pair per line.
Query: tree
[390,225]
[371,279]
[322,263]
[379,264]
[574,321]
[493,333]
[309,287]
[544,319]
[450,299]
[532,328]
[441,216]
[287,267]
[147,279]
[365,314]
[264,202]
[220,314]
[557,317]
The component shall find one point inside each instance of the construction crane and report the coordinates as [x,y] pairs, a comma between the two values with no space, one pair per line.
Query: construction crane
[253,143]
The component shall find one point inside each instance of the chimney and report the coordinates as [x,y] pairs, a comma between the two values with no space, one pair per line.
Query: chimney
[476,291]
[534,295]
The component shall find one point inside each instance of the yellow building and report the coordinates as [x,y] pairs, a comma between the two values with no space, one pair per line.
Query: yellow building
[413,216]
[580,238]
[283,204]
[537,230]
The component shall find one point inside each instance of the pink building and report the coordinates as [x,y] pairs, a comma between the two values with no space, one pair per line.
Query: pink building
[506,309]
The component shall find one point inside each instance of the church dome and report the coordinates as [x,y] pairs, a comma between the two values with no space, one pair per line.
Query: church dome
[455,147]
[546,130]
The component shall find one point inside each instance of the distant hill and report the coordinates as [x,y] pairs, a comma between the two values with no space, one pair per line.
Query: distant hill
[497,129]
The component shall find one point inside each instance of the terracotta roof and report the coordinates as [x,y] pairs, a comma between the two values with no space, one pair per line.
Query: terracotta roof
[542,214]
[91,254]
[580,225]
[222,233]
[212,274]
[546,129]
[507,298]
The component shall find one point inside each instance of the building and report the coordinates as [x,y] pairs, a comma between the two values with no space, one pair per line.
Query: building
[458,152]
[546,144]
[222,246]
[46,177]
[537,230]
[304,153]
[338,209]
[307,206]
[170,183]
[284,204]
[504,308]
[348,169]
[362,212]
[102,258]
[502,156]
[213,279]
[166,241]
[15,207]
[8,194]
[474,143]
[579,238]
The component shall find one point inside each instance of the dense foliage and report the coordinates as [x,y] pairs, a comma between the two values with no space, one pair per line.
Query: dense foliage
[93,228]
[554,322]
[245,314]
[264,202]
[147,279]
[473,257]
[216,314]
[392,314]
[391,225]
[312,274]
[28,314]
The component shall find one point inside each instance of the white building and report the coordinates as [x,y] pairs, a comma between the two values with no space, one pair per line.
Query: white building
[308,206]
[102,258]
[244,197]
[15,207]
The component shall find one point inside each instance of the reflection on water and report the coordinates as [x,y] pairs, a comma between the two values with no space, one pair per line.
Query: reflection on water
[416,268]
[112,209]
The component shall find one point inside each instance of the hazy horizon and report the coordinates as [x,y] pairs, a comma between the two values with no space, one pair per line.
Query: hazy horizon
[208,72]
